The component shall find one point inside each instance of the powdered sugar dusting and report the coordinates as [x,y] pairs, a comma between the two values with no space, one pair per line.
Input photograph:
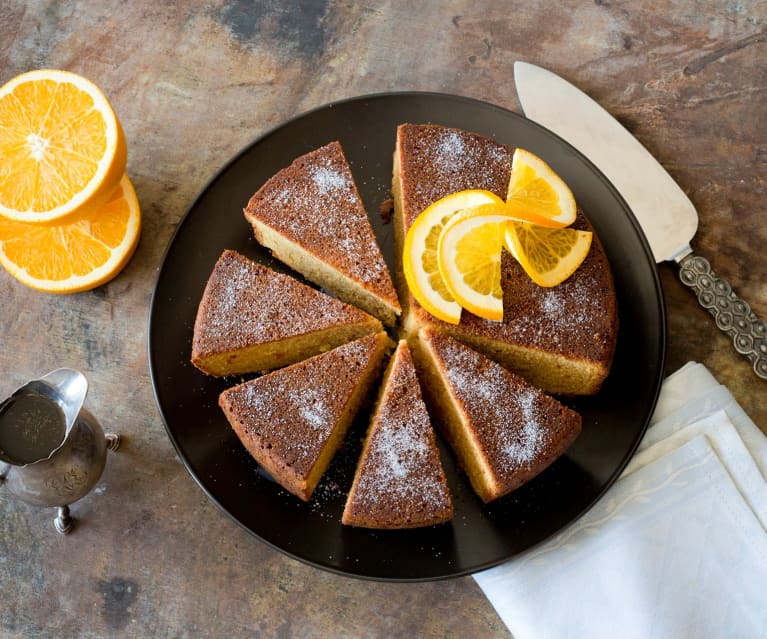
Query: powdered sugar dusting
[401,471]
[401,450]
[570,304]
[575,319]
[569,316]
[293,411]
[474,379]
[231,293]
[281,197]
[314,203]
[451,151]
[294,424]
[248,303]
[529,442]
[504,409]
[311,408]
[439,160]
[329,181]
[307,192]
[551,304]
[276,399]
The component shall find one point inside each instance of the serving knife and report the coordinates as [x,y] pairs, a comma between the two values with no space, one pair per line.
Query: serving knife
[667,217]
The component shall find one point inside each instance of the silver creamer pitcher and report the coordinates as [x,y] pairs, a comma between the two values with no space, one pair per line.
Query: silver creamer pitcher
[52,449]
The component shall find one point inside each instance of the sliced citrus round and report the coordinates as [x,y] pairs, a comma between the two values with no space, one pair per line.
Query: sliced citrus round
[419,258]
[535,190]
[77,256]
[549,256]
[61,144]
[470,261]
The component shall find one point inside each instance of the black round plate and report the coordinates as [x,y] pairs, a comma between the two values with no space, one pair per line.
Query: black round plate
[479,536]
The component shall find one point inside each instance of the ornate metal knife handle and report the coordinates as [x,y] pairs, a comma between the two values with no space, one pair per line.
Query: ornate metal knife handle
[732,314]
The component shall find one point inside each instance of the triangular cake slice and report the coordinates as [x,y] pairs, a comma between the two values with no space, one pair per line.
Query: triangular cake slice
[311,216]
[253,319]
[293,420]
[399,482]
[562,339]
[503,431]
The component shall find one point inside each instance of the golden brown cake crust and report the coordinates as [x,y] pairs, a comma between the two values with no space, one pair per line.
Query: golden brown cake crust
[436,161]
[288,418]
[575,321]
[399,482]
[518,430]
[314,202]
[247,304]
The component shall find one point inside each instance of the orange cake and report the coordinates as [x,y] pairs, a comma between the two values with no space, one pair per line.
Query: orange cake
[293,420]
[254,319]
[562,339]
[399,481]
[312,218]
[503,430]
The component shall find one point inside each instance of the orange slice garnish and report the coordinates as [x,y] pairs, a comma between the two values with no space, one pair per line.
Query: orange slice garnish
[420,261]
[537,193]
[549,256]
[470,260]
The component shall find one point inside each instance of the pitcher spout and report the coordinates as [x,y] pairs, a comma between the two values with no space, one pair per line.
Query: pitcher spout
[67,387]
[37,419]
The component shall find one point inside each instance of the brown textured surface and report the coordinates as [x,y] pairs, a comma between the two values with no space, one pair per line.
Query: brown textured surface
[289,419]
[581,318]
[193,84]
[314,202]
[399,481]
[245,304]
[510,428]
[441,160]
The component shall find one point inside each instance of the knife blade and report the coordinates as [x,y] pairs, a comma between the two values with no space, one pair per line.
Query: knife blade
[665,213]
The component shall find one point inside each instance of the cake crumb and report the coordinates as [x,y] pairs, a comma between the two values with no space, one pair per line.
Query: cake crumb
[386,208]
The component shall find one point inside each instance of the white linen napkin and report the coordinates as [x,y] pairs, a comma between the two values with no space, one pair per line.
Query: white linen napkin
[676,548]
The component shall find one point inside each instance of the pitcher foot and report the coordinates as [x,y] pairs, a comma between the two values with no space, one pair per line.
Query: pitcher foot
[113,441]
[63,522]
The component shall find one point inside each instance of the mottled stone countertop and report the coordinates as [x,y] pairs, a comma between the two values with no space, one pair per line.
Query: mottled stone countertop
[195,82]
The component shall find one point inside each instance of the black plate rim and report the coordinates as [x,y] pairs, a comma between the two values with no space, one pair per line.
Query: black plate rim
[656,282]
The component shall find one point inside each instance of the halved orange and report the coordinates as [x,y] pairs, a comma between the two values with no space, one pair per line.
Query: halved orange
[538,193]
[419,258]
[84,253]
[61,144]
[549,256]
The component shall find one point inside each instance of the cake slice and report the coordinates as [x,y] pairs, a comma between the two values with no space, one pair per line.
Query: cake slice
[253,319]
[399,482]
[562,339]
[293,420]
[503,431]
[312,218]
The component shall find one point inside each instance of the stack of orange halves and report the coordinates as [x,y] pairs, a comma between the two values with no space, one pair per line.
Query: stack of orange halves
[69,217]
